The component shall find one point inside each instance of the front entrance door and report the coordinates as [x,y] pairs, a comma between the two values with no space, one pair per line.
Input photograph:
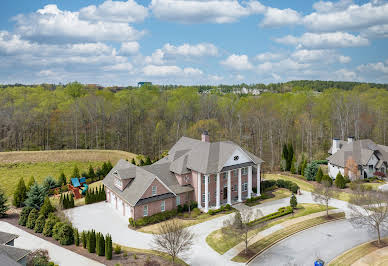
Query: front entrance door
[225,194]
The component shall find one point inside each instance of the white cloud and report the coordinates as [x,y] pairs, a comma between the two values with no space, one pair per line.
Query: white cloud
[115,11]
[349,17]
[282,66]
[324,40]
[119,67]
[240,77]
[51,24]
[268,56]
[275,17]
[237,62]
[166,71]
[378,67]
[192,71]
[377,31]
[344,59]
[157,58]
[198,11]
[346,75]
[327,6]
[186,49]
[323,56]
[129,48]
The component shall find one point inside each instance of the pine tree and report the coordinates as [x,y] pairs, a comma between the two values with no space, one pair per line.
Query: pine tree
[71,201]
[24,215]
[104,169]
[46,208]
[35,196]
[20,194]
[76,172]
[91,173]
[3,204]
[319,175]
[109,167]
[98,243]
[31,181]
[62,179]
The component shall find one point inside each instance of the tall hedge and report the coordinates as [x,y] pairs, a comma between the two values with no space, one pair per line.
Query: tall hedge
[84,239]
[108,247]
[76,237]
[95,195]
[91,243]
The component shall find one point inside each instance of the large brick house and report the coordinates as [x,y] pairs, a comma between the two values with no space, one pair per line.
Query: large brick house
[223,171]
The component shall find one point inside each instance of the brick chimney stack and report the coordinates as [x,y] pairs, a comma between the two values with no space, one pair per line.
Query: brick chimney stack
[205,136]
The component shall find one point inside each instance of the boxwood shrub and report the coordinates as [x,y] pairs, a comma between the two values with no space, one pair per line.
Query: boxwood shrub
[281,212]
[227,207]
[153,219]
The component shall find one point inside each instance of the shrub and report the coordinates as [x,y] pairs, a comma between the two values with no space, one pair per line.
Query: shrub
[20,194]
[91,243]
[292,186]
[39,224]
[340,181]
[321,162]
[228,207]
[132,222]
[32,219]
[49,182]
[24,215]
[281,212]
[49,224]
[319,175]
[62,180]
[156,218]
[46,208]
[66,235]
[196,212]
[100,244]
[326,178]
[108,247]
[293,201]
[117,249]
[3,204]
[84,239]
[56,229]
[76,237]
[311,171]
[267,184]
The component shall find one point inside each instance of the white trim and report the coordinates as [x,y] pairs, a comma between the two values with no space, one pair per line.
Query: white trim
[239,185]
[218,191]
[229,188]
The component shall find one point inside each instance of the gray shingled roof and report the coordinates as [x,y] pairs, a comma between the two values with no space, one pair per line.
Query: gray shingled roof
[15,254]
[7,261]
[360,150]
[6,237]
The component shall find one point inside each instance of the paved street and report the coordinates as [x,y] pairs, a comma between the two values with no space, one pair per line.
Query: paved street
[59,255]
[325,241]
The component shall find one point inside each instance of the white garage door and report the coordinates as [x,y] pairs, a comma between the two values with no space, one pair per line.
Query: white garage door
[113,201]
[120,205]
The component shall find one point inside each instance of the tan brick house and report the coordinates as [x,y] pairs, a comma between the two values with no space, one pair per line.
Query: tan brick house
[192,169]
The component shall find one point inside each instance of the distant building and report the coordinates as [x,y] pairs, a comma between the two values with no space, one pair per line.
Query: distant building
[141,83]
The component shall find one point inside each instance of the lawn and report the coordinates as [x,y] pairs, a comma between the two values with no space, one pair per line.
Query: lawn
[220,243]
[203,217]
[354,254]
[279,193]
[270,240]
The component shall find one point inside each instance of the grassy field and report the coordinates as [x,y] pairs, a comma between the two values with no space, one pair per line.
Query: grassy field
[354,254]
[40,164]
[220,243]
[279,235]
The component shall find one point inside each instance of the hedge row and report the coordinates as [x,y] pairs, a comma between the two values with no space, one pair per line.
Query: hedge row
[153,219]
[292,186]
[227,207]
[95,243]
[281,212]
[261,197]
[95,195]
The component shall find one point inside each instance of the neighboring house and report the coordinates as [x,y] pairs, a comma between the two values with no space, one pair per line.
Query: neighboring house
[357,158]
[193,168]
[9,255]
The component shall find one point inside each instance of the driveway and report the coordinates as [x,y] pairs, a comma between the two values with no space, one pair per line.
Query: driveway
[325,241]
[58,254]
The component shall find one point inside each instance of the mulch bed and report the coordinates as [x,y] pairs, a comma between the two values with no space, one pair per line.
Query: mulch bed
[141,259]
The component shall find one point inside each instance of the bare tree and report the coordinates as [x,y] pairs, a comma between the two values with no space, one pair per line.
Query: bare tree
[324,193]
[369,209]
[238,226]
[174,239]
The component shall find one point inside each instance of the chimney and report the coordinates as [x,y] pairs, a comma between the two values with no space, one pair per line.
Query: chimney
[205,136]
[335,146]
[350,139]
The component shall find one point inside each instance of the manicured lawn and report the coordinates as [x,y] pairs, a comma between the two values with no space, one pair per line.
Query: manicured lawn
[203,217]
[220,243]
[279,235]
[11,173]
[354,254]
[279,193]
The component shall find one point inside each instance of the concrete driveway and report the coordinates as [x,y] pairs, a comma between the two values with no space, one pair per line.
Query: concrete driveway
[325,241]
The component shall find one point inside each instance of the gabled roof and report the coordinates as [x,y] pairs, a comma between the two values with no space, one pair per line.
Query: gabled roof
[7,261]
[7,237]
[15,254]
[361,151]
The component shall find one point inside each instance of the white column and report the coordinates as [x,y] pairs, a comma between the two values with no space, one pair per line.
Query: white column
[206,193]
[249,182]
[218,192]
[258,180]
[199,200]
[229,188]
[239,185]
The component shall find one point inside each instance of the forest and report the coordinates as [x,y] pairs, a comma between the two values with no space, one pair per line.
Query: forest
[149,120]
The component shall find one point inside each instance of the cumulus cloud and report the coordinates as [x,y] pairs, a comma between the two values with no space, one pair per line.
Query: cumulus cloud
[378,67]
[51,24]
[197,11]
[119,67]
[186,49]
[282,65]
[377,31]
[268,56]
[324,40]
[237,62]
[345,75]
[274,17]
[319,55]
[129,48]
[165,71]
[115,11]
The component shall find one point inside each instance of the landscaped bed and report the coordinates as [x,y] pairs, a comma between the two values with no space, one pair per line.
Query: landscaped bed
[270,240]
[267,196]
[222,244]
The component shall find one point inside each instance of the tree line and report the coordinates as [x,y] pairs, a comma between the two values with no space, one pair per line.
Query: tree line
[149,120]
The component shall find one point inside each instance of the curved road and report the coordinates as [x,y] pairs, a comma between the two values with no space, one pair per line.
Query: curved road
[325,241]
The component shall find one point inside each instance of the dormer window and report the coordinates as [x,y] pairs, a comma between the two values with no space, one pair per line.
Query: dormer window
[119,183]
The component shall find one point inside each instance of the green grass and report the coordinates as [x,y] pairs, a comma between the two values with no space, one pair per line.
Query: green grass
[11,173]
[272,239]
[220,243]
[354,254]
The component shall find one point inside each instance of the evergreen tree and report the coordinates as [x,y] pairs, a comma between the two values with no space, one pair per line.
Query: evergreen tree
[148,161]
[35,196]
[62,179]
[340,181]
[293,169]
[141,163]
[101,245]
[109,166]
[24,215]
[31,181]
[46,208]
[71,201]
[104,169]
[285,154]
[75,172]
[20,194]
[39,224]
[108,247]
[293,201]
[76,237]
[304,165]
[98,243]
[49,224]
[328,179]
[49,183]
[3,204]
[290,156]
[91,243]
[319,175]
[32,218]
[84,239]
[311,171]
[91,173]
[133,161]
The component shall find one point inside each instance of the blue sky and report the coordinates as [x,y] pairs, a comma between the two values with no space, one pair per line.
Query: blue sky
[192,41]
